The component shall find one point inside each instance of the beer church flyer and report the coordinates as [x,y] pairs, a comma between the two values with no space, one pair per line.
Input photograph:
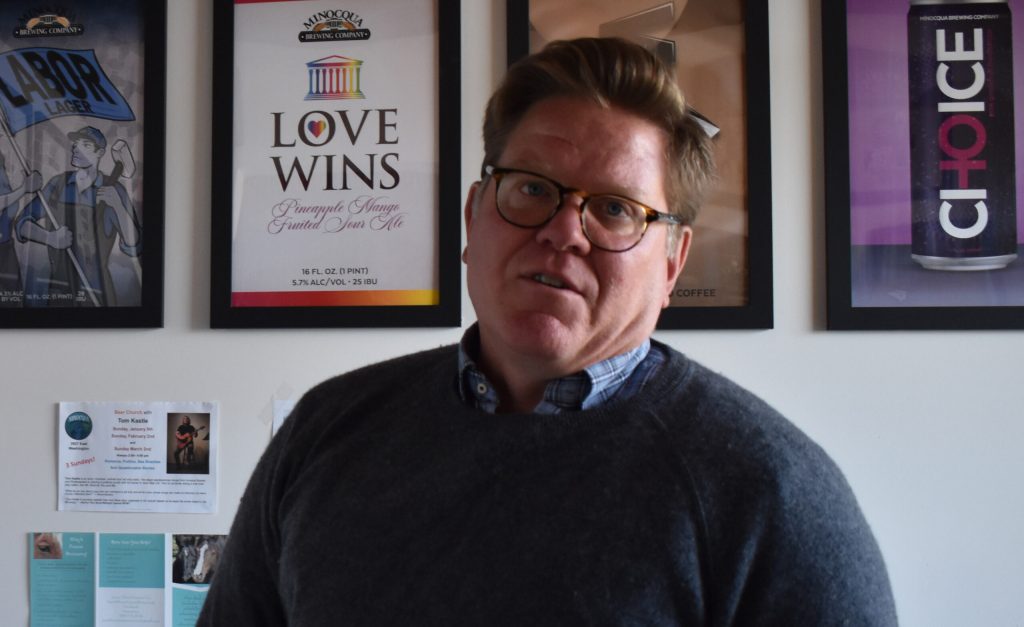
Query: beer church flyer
[86,579]
[334,193]
[138,457]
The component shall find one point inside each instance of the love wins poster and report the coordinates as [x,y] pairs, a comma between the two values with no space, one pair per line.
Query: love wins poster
[335,144]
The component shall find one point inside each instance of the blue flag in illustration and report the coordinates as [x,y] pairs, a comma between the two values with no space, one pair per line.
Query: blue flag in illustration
[39,84]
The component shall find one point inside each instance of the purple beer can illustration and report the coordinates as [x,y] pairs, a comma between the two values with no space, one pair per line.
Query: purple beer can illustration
[962,171]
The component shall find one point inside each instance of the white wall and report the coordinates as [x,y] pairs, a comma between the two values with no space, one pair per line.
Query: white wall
[925,425]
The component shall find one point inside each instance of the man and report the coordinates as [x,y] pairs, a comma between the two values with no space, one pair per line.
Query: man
[558,467]
[185,436]
[11,199]
[93,210]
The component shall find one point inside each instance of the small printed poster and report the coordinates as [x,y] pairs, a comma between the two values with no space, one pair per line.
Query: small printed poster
[87,579]
[138,457]
[62,579]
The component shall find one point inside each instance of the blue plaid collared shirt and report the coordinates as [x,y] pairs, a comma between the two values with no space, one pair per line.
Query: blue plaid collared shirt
[621,376]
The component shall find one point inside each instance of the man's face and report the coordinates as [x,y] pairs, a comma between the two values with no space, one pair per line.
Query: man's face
[545,297]
[84,153]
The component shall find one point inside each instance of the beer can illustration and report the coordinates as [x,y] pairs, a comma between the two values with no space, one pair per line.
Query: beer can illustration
[962,170]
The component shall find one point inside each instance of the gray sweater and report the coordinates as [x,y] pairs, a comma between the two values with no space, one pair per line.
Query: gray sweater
[385,500]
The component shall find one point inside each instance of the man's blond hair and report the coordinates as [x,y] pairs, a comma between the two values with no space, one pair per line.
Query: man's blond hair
[609,72]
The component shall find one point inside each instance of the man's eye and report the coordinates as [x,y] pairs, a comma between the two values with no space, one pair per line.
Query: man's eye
[611,208]
[535,189]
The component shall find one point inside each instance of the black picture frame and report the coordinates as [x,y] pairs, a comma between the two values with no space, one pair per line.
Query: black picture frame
[446,312]
[757,312]
[874,284]
[131,291]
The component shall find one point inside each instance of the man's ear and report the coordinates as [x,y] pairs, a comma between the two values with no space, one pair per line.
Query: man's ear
[676,260]
[467,213]
[470,202]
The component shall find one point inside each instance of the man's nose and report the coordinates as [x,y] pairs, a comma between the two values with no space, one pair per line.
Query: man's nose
[564,231]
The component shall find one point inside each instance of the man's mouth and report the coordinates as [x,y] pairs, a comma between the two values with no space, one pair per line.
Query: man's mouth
[550,281]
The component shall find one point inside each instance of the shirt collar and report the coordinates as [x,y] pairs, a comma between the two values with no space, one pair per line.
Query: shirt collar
[592,386]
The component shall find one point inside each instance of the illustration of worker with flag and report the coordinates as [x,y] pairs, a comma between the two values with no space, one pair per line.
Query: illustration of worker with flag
[76,240]
[93,212]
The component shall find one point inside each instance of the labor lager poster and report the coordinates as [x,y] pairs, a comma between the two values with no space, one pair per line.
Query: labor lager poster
[73,109]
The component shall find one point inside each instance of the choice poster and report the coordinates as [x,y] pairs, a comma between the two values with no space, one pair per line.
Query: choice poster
[930,233]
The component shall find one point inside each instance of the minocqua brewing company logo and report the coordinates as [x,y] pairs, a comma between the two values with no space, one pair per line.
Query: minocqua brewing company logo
[333,25]
[78,425]
[48,23]
[334,78]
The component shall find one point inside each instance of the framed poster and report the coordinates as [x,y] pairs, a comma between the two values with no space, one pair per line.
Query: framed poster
[336,198]
[922,135]
[81,163]
[719,49]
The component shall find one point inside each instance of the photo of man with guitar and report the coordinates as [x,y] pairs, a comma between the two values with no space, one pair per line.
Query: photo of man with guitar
[188,445]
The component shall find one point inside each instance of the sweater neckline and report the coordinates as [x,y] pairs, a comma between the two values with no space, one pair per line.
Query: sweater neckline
[671,378]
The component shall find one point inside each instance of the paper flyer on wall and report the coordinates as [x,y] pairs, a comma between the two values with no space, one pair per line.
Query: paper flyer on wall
[87,579]
[138,457]
[282,409]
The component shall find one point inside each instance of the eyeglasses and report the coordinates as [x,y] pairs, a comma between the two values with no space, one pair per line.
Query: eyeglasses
[613,223]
